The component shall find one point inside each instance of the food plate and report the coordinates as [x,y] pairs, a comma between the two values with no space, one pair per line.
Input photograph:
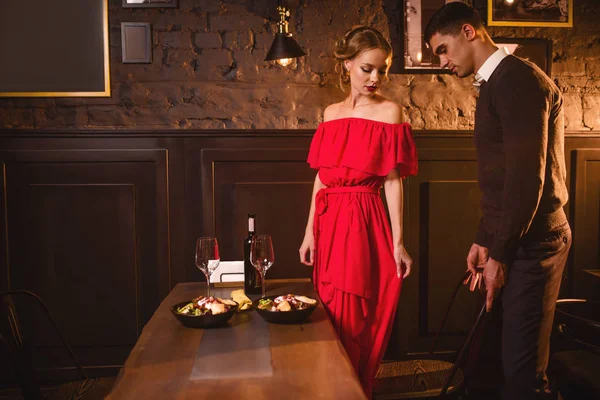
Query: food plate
[293,316]
[203,321]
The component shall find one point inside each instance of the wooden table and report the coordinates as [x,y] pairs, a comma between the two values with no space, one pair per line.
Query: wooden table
[304,361]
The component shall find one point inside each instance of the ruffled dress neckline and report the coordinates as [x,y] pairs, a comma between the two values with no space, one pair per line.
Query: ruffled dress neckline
[371,146]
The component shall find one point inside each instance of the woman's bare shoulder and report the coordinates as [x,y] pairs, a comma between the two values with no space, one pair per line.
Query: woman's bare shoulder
[389,111]
[331,112]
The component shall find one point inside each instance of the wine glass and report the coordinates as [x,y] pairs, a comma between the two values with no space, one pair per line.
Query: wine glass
[262,256]
[207,257]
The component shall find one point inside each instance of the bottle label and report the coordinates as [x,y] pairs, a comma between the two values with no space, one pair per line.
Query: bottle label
[250,224]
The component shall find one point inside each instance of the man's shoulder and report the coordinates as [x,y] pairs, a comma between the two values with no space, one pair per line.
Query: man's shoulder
[517,66]
[515,73]
[511,67]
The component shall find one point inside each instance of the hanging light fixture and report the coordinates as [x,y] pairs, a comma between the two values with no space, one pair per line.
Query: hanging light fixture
[284,47]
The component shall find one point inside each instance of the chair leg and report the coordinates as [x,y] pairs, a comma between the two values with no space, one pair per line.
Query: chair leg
[443,323]
[462,351]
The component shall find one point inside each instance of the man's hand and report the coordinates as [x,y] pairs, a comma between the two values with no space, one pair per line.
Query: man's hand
[477,257]
[493,276]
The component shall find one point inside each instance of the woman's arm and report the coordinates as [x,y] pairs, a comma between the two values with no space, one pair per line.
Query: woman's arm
[395,199]
[308,244]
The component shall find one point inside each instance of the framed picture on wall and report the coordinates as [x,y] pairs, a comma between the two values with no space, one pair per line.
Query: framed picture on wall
[136,46]
[417,57]
[550,13]
[538,51]
[57,48]
[150,3]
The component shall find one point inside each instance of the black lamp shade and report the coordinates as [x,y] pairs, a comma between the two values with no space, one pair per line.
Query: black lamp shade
[284,46]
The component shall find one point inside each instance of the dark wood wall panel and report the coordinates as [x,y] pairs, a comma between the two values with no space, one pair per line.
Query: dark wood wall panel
[3,229]
[274,203]
[452,232]
[276,184]
[109,220]
[441,213]
[88,232]
[586,222]
[78,234]
[216,164]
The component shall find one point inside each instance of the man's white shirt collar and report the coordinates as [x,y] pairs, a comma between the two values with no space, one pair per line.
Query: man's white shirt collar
[490,65]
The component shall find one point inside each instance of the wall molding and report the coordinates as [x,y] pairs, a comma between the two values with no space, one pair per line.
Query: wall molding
[181,133]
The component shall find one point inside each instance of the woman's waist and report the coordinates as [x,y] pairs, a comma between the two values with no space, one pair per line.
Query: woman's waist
[321,199]
[351,189]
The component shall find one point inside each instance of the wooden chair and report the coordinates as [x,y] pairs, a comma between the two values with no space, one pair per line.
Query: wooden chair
[575,356]
[426,378]
[13,341]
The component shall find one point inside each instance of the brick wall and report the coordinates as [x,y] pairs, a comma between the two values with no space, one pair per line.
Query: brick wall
[208,71]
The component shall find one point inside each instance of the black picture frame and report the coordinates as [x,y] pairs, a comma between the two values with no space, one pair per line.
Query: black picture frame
[415,56]
[149,3]
[538,51]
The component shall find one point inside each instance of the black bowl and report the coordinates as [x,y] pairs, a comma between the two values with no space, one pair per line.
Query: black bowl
[202,321]
[284,317]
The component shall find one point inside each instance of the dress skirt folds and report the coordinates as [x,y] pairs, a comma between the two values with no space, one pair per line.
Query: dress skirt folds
[355,272]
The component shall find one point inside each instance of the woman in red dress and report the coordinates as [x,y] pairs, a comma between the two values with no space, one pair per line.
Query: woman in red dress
[360,146]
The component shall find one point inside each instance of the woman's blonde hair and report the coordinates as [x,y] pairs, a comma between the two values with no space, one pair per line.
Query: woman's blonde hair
[355,42]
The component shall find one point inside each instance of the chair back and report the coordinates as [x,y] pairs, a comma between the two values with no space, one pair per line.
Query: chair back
[16,343]
[577,324]
[457,363]
[430,377]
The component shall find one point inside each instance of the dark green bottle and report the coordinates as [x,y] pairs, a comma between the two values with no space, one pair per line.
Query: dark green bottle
[252,282]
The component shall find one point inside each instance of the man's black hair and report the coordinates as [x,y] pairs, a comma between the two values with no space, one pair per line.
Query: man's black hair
[449,20]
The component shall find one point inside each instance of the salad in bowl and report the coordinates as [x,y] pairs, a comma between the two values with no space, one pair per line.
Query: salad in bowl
[204,312]
[285,309]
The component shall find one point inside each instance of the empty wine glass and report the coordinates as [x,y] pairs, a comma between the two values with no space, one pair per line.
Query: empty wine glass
[207,257]
[262,256]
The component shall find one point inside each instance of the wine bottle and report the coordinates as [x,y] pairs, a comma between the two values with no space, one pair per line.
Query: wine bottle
[252,282]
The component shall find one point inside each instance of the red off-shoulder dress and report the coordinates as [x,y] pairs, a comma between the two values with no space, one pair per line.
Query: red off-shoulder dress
[354,270]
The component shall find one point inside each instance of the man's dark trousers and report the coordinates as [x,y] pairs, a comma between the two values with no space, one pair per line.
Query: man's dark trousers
[528,304]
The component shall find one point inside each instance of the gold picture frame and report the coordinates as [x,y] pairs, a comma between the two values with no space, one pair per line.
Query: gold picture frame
[65,58]
[149,3]
[535,13]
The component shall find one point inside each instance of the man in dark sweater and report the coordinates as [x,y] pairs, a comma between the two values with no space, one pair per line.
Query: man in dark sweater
[523,238]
